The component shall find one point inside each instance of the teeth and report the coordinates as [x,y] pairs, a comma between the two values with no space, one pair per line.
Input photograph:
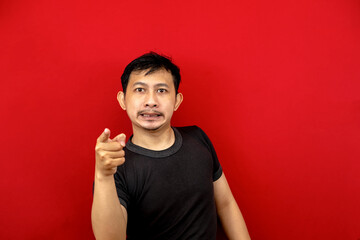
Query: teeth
[148,115]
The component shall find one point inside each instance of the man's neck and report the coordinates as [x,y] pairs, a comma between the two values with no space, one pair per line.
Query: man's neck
[156,140]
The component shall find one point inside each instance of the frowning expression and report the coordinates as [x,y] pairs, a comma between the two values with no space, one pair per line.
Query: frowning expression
[150,99]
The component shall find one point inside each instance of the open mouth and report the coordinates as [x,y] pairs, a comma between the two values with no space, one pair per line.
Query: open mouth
[150,115]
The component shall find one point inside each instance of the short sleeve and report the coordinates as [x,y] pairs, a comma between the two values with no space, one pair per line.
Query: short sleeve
[121,186]
[217,169]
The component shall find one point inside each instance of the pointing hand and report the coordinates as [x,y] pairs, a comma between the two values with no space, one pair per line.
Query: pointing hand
[109,153]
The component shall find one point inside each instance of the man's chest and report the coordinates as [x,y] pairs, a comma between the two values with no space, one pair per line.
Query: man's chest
[174,184]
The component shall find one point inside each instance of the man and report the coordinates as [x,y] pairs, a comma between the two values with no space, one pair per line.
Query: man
[171,185]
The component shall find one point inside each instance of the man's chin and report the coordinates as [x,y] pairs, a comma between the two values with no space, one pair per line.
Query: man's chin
[152,128]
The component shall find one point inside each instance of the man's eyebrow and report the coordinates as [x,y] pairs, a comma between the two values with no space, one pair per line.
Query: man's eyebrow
[139,83]
[156,85]
[161,85]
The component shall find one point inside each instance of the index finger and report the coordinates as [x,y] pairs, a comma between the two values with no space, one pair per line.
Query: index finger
[105,135]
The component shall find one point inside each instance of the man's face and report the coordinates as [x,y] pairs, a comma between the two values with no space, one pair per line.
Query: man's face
[150,100]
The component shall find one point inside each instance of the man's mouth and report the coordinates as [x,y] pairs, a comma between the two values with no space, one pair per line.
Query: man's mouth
[152,114]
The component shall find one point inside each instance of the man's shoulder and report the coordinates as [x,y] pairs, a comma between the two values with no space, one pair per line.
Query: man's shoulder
[193,131]
[187,128]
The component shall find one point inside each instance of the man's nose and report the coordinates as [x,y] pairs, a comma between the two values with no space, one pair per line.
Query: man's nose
[151,100]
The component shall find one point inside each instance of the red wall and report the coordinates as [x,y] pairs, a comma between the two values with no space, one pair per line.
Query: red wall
[275,84]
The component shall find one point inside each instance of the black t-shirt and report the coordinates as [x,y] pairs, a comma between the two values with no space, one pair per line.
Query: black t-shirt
[169,194]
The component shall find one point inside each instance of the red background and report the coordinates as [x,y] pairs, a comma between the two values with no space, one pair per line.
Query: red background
[275,84]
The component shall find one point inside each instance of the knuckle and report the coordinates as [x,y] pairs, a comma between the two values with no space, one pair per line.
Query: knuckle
[122,153]
[102,155]
[118,146]
[107,163]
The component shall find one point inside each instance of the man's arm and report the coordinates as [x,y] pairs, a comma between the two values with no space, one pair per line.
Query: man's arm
[229,212]
[108,216]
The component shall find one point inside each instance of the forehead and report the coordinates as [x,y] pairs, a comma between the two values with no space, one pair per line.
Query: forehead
[158,76]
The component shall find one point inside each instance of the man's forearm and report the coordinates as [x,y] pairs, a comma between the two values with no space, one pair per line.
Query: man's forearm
[233,222]
[108,217]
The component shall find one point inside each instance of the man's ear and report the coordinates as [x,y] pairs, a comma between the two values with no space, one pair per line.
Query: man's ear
[121,99]
[178,101]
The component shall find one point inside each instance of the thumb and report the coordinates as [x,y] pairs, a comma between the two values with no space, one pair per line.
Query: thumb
[104,135]
[121,138]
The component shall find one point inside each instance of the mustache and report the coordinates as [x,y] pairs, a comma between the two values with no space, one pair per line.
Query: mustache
[149,111]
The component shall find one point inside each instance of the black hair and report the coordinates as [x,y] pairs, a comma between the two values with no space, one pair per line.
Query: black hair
[152,62]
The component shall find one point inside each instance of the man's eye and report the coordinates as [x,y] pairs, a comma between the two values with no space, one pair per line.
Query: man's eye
[161,90]
[139,89]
